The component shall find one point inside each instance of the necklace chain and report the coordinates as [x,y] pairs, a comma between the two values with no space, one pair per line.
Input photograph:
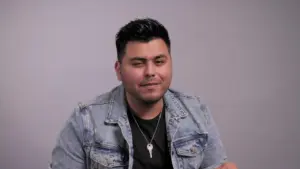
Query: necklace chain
[143,132]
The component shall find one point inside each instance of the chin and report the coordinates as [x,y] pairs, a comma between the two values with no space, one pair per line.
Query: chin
[151,100]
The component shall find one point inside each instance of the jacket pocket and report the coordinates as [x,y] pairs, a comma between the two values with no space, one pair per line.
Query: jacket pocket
[190,149]
[108,156]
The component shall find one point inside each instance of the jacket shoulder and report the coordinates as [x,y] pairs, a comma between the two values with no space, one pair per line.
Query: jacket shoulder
[189,100]
[101,99]
[183,95]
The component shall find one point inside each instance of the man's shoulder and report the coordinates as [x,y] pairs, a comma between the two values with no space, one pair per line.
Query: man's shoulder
[100,99]
[183,96]
[188,100]
[96,108]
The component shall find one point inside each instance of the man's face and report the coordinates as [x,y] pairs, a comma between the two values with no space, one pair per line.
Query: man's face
[146,70]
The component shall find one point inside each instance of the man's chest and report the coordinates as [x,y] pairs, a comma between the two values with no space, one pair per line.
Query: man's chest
[180,143]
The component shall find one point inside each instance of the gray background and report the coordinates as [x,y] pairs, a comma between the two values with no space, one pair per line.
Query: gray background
[242,58]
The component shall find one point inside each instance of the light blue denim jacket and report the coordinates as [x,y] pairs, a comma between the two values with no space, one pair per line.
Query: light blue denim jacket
[98,135]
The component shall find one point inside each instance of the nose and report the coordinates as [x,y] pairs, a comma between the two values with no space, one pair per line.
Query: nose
[150,70]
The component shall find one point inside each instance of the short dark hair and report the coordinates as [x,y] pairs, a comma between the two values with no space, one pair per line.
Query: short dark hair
[141,30]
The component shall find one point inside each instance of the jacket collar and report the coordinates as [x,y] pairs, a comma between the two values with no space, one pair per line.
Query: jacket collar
[117,106]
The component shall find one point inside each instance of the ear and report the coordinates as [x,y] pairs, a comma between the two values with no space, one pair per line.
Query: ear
[118,70]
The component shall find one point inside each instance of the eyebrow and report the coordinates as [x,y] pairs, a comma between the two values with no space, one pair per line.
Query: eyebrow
[139,58]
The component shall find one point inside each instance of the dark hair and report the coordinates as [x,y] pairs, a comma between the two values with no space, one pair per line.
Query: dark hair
[141,30]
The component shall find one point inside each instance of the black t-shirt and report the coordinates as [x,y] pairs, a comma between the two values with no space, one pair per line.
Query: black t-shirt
[160,153]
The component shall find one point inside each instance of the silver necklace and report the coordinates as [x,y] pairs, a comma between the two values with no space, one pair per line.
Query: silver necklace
[149,144]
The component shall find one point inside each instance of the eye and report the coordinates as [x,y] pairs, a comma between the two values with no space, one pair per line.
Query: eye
[137,64]
[160,61]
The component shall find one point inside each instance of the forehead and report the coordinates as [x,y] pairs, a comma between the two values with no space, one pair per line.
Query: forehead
[146,50]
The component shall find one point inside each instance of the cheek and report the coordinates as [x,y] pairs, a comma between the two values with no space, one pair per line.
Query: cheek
[166,74]
[131,77]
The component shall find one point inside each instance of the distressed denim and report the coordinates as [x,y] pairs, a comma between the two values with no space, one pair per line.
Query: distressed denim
[98,134]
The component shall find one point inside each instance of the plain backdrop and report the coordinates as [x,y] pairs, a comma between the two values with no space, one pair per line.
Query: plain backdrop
[241,57]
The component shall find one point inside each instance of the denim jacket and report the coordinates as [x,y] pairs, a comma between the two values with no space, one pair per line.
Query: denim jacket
[98,135]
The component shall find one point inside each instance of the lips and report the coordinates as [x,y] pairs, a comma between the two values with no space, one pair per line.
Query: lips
[149,84]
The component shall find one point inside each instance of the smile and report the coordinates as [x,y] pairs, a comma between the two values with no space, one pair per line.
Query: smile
[150,84]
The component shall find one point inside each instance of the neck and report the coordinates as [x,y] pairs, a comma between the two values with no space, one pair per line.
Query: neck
[144,110]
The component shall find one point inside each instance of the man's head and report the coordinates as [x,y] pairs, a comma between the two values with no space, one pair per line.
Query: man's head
[144,62]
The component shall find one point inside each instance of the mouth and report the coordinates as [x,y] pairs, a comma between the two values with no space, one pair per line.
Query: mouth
[149,84]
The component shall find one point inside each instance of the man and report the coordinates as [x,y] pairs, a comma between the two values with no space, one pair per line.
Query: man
[141,124]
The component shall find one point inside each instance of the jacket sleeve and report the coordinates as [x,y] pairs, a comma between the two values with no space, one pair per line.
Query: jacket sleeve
[214,152]
[68,153]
